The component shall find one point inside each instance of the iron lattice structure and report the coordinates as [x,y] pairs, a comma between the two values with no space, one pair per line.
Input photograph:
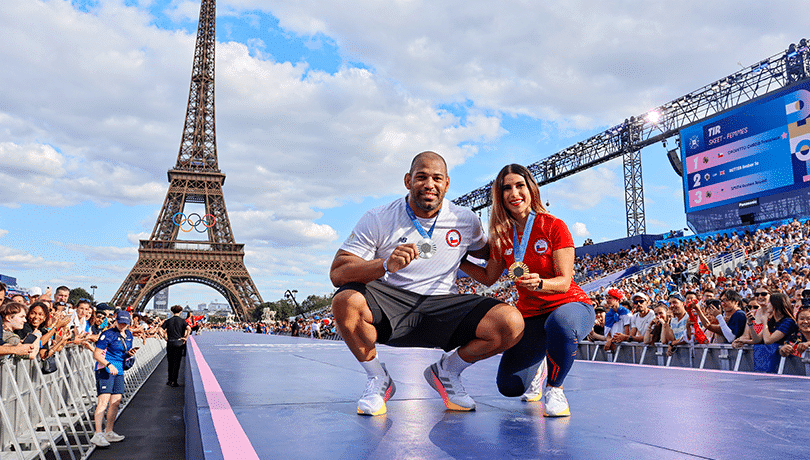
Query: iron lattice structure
[163,259]
[634,193]
[628,138]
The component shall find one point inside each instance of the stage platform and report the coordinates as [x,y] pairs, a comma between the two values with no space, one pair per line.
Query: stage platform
[252,396]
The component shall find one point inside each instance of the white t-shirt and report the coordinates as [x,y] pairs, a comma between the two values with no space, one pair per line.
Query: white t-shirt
[618,326]
[678,327]
[385,227]
[641,323]
[80,324]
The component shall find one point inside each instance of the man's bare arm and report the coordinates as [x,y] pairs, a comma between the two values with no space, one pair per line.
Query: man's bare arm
[349,268]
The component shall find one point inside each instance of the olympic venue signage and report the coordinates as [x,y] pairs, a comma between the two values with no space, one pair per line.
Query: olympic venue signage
[759,149]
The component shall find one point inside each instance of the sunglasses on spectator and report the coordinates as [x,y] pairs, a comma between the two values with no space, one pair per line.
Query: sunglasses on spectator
[638,300]
[761,294]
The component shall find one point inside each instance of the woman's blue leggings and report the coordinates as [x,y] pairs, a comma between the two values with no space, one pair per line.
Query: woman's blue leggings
[555,335]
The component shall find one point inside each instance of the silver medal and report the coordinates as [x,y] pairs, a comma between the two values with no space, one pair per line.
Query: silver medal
[427,248]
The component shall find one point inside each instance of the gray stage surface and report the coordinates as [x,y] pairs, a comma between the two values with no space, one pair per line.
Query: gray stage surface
[296,398]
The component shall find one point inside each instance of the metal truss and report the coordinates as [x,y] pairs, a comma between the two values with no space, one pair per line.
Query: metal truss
[635,133]
[164,259]
[634,194]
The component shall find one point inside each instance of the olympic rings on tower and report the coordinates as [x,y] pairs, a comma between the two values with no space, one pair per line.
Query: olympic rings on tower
[193,221]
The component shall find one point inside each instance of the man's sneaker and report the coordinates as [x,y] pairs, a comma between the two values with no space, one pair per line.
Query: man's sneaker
[449,387]
[378,391]
[554,403]
[99,440]
[535,390]
[112,436]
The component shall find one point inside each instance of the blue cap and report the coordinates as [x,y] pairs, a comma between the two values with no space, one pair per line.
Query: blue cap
[123,317]
[677,295]
[317,317]
[664,303]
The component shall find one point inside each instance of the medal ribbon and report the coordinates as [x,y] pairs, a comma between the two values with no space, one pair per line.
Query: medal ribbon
[520,249]
[425,234]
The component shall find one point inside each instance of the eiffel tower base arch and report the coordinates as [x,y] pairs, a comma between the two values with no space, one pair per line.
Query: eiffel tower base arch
[160,267]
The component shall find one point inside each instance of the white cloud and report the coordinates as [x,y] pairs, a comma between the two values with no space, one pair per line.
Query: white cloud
[14,260]
[590,63]
[3,232]
[585,190]
[135,238]
[581,230]
[99,253]
[33,158]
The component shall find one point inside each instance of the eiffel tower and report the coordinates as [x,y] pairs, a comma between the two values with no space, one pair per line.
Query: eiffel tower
[163,259]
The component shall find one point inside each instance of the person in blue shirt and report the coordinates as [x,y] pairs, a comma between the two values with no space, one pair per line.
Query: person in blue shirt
[112,347]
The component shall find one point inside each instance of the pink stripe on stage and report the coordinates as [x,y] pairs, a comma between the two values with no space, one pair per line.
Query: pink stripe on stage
[233,441]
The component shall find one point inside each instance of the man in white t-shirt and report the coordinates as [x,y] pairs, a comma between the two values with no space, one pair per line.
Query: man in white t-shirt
[642,317]
[315,328]
[396,275]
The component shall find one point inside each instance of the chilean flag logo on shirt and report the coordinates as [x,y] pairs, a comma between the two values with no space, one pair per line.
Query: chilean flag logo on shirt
[541,246]
[453,238]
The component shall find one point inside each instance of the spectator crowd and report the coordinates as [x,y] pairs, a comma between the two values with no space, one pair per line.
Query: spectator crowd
[38,325]
[676,299]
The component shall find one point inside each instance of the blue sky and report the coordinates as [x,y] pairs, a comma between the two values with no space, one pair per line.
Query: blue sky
[320,107]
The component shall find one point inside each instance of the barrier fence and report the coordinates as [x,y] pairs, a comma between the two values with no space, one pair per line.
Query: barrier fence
[51,415]
[702,356]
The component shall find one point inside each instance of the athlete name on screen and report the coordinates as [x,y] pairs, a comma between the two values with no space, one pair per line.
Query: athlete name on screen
[739,168]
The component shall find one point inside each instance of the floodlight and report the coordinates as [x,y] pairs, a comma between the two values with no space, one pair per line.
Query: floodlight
[653,116]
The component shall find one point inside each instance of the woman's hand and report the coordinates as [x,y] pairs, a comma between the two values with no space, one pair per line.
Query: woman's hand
[738,343]
[112,370]
[530,281]
[62,322]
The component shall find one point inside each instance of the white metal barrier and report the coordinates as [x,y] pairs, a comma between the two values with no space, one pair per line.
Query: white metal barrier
[707,356]
[51,416]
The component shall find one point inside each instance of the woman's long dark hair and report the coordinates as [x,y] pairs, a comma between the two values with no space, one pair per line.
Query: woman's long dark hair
[781,303]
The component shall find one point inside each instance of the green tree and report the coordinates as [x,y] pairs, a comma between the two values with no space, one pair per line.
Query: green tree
[79,293]
[256,313]
[315,303]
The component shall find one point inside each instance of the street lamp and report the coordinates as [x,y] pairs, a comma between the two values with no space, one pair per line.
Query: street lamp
[94,287]
[288,294]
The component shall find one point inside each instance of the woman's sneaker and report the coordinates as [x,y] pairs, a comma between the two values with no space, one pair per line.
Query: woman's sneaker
[379,389]
[99,440]
[112,436]
[449,386]
[535,390]
[554,403]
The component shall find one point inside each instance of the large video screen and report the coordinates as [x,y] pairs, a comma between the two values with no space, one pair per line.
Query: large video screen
[756,150]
